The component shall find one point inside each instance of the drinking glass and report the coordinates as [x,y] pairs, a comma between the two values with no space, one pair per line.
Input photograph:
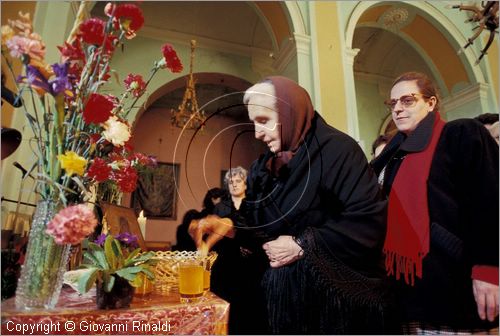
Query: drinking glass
[191,280]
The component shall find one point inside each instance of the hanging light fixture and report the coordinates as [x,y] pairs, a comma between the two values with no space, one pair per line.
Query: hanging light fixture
[188,115]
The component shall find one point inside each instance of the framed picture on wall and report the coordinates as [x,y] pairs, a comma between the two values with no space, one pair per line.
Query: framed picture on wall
[156,192]
[121,219]
[222,177]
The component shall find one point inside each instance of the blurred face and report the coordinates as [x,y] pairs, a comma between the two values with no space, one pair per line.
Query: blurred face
[262,111]
[408,106]
[493,129]
[237,186]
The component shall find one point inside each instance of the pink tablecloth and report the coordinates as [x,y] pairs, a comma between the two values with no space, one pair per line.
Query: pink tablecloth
[150,314]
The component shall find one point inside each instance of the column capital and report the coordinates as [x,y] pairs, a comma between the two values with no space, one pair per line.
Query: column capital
[350,54]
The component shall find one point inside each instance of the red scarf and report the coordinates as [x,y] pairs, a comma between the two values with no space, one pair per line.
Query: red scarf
[407,239]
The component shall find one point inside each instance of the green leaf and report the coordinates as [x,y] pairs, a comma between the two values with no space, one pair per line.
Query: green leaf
[94,247]
[87,279]
[109,252]
[109,283]
[147,271]
[137,282]
[142,258]
[101,258]
[91,258]
[129,273]
[117,250]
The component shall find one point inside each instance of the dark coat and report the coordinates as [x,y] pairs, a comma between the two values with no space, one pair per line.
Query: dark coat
[328,196]
[463,210]
[236,275]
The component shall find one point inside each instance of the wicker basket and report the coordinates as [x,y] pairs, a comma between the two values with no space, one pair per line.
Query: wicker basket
[166,270]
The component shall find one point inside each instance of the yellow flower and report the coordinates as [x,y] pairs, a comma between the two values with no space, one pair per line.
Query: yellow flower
[72,163]
[7,34]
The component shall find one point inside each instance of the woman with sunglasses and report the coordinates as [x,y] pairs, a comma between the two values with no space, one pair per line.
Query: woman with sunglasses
[442,232]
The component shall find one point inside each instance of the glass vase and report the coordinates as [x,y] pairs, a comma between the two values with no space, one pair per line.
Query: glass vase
[42,273]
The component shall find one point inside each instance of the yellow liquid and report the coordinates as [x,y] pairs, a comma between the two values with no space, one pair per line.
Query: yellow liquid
[190,280]
[206,280]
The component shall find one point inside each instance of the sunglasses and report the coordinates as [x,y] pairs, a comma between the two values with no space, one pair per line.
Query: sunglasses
[406,100]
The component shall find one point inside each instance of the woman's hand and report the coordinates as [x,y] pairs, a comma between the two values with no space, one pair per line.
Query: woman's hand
[282,251]
[213,228]
[486,296]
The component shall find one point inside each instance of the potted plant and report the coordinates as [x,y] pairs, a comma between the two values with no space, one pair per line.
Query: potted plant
[115,271]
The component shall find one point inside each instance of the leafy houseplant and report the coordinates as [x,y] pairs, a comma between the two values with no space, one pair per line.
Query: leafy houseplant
[111,267]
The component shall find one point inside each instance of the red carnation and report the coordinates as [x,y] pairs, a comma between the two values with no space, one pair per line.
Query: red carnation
[72,52]
[172,61]
[98,109]
[126,178]
[128,15]
[92,31]
[136,84]
[99,170]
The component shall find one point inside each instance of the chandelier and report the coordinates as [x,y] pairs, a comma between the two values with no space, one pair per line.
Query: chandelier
[188,115]
[487,18]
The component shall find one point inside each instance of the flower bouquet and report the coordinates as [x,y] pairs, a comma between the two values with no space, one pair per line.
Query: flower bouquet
[80,137]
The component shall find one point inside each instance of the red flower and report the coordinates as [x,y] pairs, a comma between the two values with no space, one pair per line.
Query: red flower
[136,84]
[141,159]
[72,52]
[98,109]
[92,31]
[94,138]
[172,61]
[126,179]
[99,170]
[128,15]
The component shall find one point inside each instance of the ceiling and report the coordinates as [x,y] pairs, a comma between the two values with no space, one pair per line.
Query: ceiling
[385,55]
[234,22]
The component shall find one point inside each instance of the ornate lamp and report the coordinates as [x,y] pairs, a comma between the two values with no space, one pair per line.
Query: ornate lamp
[188,114]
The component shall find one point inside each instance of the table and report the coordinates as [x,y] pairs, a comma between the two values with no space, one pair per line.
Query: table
[149,314]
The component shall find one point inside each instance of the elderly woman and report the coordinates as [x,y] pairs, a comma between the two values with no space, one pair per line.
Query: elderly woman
[442,183]
[315,209]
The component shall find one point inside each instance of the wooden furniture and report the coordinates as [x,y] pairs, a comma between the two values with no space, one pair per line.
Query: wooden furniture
[158,245]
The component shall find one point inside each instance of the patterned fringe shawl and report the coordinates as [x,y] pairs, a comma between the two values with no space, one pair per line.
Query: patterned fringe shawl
[319,294]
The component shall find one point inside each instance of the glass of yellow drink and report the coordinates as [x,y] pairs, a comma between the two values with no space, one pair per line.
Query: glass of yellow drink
[191,280]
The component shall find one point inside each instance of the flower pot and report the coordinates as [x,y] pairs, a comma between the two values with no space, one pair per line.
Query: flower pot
[42,273]
[120,295]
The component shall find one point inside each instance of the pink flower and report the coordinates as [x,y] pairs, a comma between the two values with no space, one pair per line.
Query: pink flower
[136,84]
[19,46]
[72,224]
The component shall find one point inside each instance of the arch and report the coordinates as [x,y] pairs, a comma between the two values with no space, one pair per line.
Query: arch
[440,20]
[236,83]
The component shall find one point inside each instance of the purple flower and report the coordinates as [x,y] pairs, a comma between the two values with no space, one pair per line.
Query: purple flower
[35,78]
[128,239]
[101,239]
[56,86]
[61,83]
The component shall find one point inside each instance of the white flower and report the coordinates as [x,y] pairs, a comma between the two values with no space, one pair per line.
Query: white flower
[116,131]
